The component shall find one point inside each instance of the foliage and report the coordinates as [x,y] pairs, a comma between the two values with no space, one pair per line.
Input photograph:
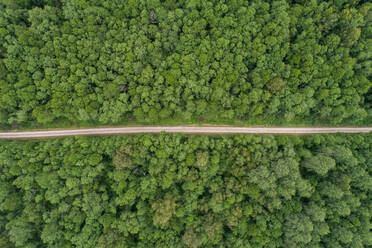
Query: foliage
[187,191]
[259,61]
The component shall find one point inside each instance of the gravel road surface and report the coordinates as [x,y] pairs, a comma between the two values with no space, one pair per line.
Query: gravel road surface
[182,129]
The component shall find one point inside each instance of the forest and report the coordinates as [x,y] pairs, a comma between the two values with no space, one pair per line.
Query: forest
[187,191]
[113,61]
[266,62]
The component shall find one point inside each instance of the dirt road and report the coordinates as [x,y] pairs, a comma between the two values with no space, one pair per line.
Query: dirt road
[182,129]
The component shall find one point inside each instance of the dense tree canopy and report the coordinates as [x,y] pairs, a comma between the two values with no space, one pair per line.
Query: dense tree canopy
[105,61]
[187,191]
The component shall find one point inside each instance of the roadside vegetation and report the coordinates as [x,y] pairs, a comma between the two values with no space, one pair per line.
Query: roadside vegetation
[187,191]
[114,62]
